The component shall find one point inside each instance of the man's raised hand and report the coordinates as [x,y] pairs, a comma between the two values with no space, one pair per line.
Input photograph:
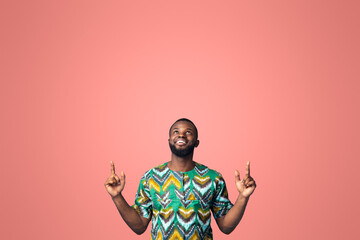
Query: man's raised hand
[247,185]
[114,185]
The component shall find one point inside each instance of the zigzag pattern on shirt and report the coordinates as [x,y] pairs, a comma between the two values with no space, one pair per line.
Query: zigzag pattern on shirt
[202,188]
[223,193]
[161,233]
[219,207]
[154,185]
[191,196]
[173,179]
[204,204]
[142,197]
[202,184]
[219,210]
[179,194]
[176,235]
[206,235]
[155,215]
[160,177]
[202,180]
[141,211]
[158,237]
[186,203]
[185,198]
[163,196]
[188,234]
[186,182]
[196,235]
[206,198]
[183,195]
[167,218]
[186,217]
[201,170]
[204,218]
[161,170]
[164,199]
[182,202]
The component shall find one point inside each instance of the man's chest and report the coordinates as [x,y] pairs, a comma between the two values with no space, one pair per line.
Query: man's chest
[181,189]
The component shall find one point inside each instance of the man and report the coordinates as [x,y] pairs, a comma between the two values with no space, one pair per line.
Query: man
[179,195]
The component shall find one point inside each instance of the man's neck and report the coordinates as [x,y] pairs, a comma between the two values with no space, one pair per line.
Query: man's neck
[181,164]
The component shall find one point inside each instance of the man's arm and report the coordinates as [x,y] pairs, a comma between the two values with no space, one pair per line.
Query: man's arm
[229,222]
[136,222]
[246,187]
[114,186]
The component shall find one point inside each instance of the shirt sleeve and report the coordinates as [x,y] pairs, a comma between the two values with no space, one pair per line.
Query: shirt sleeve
[143,203]
[221,203]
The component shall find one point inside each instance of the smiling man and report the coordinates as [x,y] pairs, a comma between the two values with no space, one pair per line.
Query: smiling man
[179,195]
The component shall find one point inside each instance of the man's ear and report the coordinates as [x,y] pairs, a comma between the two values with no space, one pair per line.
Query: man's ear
[197,143]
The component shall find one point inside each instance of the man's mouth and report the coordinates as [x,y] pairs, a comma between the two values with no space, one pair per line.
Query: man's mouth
[180,142]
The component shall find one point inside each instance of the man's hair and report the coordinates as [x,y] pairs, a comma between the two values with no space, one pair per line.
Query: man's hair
[185,120]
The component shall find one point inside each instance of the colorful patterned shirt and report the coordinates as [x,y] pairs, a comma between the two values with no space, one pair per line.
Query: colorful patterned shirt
[180,202]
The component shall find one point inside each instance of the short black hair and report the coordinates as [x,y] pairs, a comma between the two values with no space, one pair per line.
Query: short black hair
[185,120]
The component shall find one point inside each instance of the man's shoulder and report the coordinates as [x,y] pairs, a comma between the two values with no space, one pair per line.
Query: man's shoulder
[202,169]
[158,168]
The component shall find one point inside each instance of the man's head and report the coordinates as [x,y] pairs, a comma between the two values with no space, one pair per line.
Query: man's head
[183,137]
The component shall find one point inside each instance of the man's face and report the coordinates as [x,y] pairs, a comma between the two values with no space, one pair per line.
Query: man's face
[182,139]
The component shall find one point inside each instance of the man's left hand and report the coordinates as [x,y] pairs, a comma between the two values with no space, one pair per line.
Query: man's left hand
[247,185]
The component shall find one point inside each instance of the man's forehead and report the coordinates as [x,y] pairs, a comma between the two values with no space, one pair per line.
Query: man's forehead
[183,124]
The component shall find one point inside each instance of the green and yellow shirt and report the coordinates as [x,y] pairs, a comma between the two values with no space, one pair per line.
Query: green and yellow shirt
[180,202]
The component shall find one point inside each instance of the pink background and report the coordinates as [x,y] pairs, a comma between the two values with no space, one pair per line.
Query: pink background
[87,82]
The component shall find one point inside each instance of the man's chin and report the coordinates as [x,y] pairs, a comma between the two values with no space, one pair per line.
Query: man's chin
[181,152]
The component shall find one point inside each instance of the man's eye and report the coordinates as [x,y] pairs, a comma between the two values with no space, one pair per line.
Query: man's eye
[175,131]
[188,132]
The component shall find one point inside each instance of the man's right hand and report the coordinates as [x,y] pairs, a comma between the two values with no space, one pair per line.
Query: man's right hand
[114,185]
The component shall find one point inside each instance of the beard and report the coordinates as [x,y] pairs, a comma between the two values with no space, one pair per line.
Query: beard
[182,152]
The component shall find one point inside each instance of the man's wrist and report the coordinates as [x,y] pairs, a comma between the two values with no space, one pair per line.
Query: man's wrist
[243,198]
[116,197]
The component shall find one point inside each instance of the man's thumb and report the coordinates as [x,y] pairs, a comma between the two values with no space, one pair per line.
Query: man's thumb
[122,176]
[237,175]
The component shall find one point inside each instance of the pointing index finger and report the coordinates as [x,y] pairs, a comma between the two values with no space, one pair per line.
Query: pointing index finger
[247,172]
[112,168]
